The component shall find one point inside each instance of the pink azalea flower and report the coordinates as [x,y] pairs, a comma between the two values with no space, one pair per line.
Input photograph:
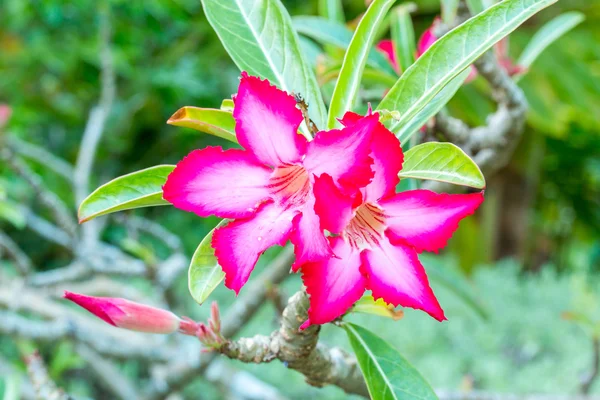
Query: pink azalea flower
[380,235]
[128,314]
[268,187]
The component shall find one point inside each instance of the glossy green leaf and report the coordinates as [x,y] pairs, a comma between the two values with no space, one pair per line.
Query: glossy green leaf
[368,305]
[348,83]
[227,105]
[406,131]
[548,34]
[443,162]
[453,53]
[12,213]
[388,375]
[403,34]
[259,37]
[138,189]
[208,120]
[332,10]
[336,34]
[205,273]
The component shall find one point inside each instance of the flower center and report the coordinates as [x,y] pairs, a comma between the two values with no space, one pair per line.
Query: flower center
[290,185]
[366,228]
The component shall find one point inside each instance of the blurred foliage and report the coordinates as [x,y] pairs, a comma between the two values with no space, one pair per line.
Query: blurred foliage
[167,56]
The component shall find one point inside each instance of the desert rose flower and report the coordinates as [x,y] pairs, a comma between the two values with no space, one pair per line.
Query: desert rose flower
[267,188]
[5,112]
[380,235]
[130,315]
[386,47]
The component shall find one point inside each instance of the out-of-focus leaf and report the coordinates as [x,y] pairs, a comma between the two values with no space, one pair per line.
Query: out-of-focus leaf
[548,34]
[259,37]
[449,10]
[336,34]
[12,213]
[444,162]
[208,120]
[403,34]
[370,76]
[139,250]
[12,387]
[205,273]
[332,10]
[387,374]
[368,305]
[348,83]
[227,105]
[476,6]
[406,131]
[138,189]
[454,52]
[311,50]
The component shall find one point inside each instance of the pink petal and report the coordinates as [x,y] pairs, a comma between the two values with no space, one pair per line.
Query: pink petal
[426,40]
[239,244]
[308,236]
[334,208]
[395,275]
[472,74]
[102,308]
[343,153]
[386,47]
[228,184]
[387,156]
[334,285]
[267,122]
[426,220]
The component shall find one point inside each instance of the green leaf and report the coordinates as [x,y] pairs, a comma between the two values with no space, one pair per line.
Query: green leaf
[227,105]
[208,120]
[12,213]
[403,34]
[406,131]
[444,162]
[259,37]
[453,53]
[138,189]
[336,34]
[548,34]
[476,6]
[368,305]
[205,274]
[449,10]
[332,10]
[388,375]
[348,83]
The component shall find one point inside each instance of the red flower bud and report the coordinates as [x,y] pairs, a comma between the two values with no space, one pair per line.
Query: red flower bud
[127,314]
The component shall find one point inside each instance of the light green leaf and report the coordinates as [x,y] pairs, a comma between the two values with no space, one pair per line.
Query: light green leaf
[454,52]
[227,105]
[332,10]
[208,120]
[476,6]
[259,37]
[388,375]
[11,212]
[205,274]
[449,10]
[348,83]
[405,132]
[548,34]
[403,34]
[443,162]
[138,189]
[336,34]
[368,305]
[310,50]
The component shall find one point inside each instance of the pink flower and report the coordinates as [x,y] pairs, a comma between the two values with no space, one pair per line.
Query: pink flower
[380,234]
[5,112]
[386,47]
[268,187]
[129,315]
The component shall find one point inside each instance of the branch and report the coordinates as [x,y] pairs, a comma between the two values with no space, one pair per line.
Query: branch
[14,251]
[42,156]
[476,395]
[588,381]
[44,386]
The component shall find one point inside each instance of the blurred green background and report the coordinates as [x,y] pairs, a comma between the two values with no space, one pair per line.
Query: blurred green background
[531,253]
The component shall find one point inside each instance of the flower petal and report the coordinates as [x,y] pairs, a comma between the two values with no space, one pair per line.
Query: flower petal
[239,244]
[395,274]
[334,208]
[426,40]
[267,122]
[386,47]
[387,156]
[229,184]
[426,220]
[343,153]
[333,285]
[308,237]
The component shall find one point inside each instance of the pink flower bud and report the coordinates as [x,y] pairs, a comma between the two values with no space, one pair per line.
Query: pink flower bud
[426,41]
[5,112]
[127,314]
